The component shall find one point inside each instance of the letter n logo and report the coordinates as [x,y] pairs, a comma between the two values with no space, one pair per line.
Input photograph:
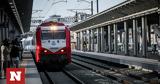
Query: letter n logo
[15,76]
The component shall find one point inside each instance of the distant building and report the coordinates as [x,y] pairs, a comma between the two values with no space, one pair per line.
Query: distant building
[82,16]
[34,24]
[70,19]
[66,20]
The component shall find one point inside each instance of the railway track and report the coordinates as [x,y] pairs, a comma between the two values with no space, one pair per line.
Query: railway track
[120,73]
[58,77]
[92,71]
[73,77]
[46,78]
[88,76]
[74,74]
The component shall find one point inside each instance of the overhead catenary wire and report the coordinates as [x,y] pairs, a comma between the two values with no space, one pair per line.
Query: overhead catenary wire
[45,7]
[53,3]
[37,13]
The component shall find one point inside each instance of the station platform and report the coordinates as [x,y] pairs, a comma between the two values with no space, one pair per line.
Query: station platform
[31,73]
[149,64]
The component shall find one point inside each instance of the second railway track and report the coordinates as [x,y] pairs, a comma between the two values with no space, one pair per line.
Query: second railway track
[118,72]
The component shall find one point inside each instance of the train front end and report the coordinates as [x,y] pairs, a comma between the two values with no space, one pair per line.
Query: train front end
[54,46]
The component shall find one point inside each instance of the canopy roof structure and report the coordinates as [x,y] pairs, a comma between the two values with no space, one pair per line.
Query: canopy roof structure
[128,9]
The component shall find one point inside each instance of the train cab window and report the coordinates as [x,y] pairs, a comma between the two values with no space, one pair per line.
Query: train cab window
[53,35]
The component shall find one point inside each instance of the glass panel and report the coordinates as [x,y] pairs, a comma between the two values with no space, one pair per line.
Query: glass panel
[53,35]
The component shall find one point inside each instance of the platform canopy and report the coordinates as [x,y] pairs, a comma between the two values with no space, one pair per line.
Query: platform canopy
[126,10]
[20,12]
[24,8]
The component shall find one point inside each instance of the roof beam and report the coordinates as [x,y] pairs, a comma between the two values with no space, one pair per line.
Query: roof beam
[16,14]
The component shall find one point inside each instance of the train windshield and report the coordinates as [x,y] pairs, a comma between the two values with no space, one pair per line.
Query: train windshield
[53,35]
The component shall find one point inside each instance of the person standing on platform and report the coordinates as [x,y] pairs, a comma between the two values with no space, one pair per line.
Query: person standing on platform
[21,50]
[15,52]
[5,57]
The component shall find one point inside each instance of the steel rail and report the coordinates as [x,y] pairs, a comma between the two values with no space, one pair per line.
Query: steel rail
[73,77]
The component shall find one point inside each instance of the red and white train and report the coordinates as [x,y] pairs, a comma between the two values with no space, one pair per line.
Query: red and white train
[52,44]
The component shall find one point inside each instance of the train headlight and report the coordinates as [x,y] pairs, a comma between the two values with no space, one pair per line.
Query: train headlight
[62,50]
[53,28]
[45,51]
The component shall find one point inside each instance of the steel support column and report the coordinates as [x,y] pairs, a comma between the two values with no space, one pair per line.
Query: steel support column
[84,40]
[159,16]
[92,40]
[144,38]
[98,40]
[115,38]
[102,39]
[159,10]
[77,41]
[135,46]
[89,42]
[126,38]
[81,39]
[109,38]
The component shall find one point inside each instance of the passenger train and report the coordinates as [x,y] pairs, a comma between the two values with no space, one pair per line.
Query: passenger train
[52,44]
